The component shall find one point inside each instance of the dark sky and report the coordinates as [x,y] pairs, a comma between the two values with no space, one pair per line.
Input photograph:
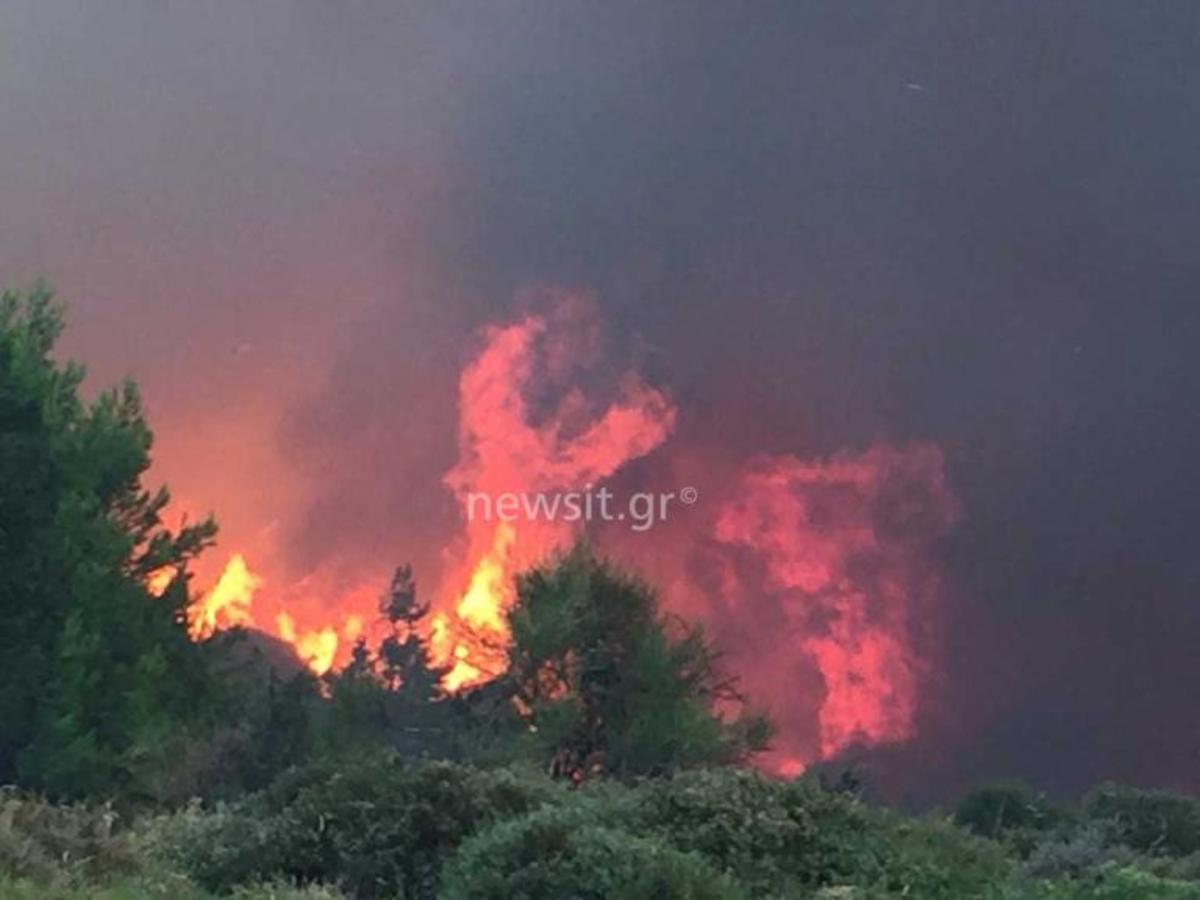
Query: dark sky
[820,224]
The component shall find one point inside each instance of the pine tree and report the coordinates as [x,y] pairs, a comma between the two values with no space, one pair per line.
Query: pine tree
[404,654]
[608,684]
[94,670]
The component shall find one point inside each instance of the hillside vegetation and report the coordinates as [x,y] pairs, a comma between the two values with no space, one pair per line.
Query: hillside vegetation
[139,763]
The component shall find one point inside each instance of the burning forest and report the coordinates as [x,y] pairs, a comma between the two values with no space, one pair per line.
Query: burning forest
[458,451]
[818,578]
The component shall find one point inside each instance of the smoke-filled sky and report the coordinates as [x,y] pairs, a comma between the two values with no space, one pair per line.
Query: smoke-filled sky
[820,227]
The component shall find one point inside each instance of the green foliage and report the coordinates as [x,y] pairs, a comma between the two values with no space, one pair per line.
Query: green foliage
[997,809]
[164,886]
[61,844]
[1074,853]
[606,685]
[392,696]
[558,854]
[85,651]
[771,836]
[1149,821]
[788,838]
[378,828]
[1111,883]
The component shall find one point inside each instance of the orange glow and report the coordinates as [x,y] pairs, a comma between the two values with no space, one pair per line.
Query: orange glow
[159,580]
[507,443]
[316,649]
[505,448]
[845,574]
[229,602]
[817,571]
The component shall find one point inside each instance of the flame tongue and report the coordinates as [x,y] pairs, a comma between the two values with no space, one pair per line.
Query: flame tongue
[511,440]
[508,443]
[843,550]
[229,602]
[822,567]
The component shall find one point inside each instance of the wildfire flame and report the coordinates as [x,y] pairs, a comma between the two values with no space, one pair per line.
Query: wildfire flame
[507,443]
[840,573]
[512,439]
[816,573]
[228,604]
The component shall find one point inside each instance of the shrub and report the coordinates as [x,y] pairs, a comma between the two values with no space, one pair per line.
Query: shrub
[1113,883]
[60,845]
[930,859]
[770,835]
[1149,821]
[788,838]
[376,828]
[218,848]
[1075,853]
[555,854]
[997,809]
[158,888]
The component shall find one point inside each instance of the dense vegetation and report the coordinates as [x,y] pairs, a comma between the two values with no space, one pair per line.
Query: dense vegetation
[143,764]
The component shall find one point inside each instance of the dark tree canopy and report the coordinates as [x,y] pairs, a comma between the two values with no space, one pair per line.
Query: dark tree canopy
[609,684]
[95,672]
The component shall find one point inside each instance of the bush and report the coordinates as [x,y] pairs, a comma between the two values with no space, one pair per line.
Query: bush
[1075,853]
[1149,821]
[218,848]
[998,809]
[789,838]
[60,845]
[1112,883]
[555,854]
[377,828]
[768,834]
[163,887]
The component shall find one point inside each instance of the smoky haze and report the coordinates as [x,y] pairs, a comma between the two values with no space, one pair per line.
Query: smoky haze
[818,225]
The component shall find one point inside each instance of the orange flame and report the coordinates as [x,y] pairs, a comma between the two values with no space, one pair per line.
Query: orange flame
[509,442]
[504,447]
[159,580]
[843,549]
[229,602]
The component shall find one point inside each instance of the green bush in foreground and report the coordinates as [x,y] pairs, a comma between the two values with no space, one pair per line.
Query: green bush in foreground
[390,828]
[998,809]
[163,887]
[555,854]
[61,844]
[1107,884]
[387,828]
[791,838]
[379,829]
[1150,821]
